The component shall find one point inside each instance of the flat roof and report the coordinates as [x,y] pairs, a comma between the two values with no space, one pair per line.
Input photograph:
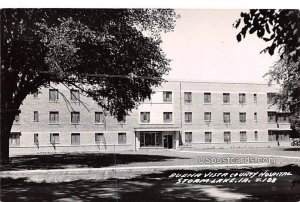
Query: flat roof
[220,82]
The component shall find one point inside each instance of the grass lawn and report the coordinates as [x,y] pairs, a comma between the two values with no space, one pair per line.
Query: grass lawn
[80,160]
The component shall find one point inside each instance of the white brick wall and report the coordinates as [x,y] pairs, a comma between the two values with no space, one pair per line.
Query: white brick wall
[87,127]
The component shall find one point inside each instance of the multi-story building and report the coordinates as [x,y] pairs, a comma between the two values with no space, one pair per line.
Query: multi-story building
[179,114]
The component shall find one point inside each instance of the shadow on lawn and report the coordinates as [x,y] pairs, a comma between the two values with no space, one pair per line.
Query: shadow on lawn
[155,187]
[78,160]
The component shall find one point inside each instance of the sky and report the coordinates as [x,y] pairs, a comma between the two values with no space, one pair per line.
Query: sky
[203,47]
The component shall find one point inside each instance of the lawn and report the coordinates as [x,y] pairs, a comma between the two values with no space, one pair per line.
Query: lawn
[80,160]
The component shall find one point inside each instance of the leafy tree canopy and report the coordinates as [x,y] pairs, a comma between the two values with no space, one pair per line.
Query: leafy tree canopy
[68,45]
[288,99]
[280,28]
[81,48]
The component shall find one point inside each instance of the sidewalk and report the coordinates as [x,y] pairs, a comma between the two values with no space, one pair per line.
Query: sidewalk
[93,166]
[122,172]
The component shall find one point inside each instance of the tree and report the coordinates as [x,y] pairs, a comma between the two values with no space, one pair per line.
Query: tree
[280,29]
[109,54]
[288,99]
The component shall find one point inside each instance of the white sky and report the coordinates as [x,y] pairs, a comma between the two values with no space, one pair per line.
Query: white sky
[203,46]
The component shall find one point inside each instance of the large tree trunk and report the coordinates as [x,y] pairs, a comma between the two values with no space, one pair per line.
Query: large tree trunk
[11,99]
[7,119]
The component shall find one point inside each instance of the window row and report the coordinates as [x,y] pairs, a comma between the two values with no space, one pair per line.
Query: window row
[75,117]
[188,118]
[14,139]
[53,95]
[226,98]
[75,95]
[227,136]
[167,117]
[273,117]
[167,97]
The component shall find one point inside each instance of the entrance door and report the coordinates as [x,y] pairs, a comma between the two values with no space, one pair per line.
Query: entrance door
[168,140]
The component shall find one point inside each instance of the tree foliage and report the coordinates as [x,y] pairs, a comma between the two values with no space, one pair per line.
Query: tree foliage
[280,28]
[286,74]
[74,47]
[66,45]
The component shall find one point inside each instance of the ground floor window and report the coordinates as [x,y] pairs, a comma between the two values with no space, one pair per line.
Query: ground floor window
[227,137]
[75,139]
[121,138]
[188,137]
[99,137]
[148,139]
[207,136]
[243,136]
[272,137]
[36,138]
[279,135]
[14,139]
[54,138]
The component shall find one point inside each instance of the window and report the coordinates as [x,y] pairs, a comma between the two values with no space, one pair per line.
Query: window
[121,138]
[75,138]
[53,95]
[242,117]
[243,136]
[242,98]
[207,97]
[99,137]
[188,137]
[226,117]
[36,138]
[99,117]
[75,117]
[74,95]
[255,135]
[271,136]
[14,139]
[227,136]
[167,96]
[226,98]
[54,138]
[35,94]
[168,117]
[122,121]
[151,139]
[255,116]
[278,135]
[145,117]
[207,136]
[271,117]
[254,97]
[188,117]
[207,116]
[17,118]
[36,116]
[53,117]
[270,98]
[187,97]
[282,117]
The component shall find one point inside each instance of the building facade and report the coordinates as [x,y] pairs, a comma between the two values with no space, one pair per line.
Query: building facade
[179,114]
